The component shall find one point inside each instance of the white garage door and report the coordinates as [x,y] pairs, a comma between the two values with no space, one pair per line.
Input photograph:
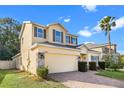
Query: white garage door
[61,63]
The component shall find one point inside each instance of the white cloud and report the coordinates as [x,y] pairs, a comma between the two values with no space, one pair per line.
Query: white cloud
[119,23]
[89,42]
[85,32]
[121,51]
[61,17]
[91,8]
[96,29]
[67,20]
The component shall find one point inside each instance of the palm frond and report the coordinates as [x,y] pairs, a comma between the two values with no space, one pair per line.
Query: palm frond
[113,24]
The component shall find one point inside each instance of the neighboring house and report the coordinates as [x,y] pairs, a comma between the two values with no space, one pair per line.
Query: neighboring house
[95,52]
[54,47]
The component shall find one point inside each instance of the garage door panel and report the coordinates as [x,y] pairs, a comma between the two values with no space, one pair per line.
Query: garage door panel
[61,63]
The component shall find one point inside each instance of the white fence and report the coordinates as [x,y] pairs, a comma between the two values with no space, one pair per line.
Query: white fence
[18,61]
[7,64]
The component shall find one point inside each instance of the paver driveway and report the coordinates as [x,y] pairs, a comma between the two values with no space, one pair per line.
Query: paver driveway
[86,80]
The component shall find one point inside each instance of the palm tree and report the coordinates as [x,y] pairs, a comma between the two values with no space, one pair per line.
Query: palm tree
[106,25]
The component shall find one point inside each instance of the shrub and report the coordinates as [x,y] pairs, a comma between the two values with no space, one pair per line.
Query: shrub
[82,66]
[110,59]
[42,72]
[114,66]
[121,61]
[107,59]
[92,65]
[102,65]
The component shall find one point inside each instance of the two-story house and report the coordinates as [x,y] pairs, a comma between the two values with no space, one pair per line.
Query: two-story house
[50,46]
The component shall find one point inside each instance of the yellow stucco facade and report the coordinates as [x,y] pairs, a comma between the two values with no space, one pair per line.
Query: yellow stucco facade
[58,59]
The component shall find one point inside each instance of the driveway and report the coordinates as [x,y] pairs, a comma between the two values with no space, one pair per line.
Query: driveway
[86,80]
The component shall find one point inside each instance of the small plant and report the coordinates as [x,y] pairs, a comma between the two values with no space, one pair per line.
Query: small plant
[42,72]
[92,65]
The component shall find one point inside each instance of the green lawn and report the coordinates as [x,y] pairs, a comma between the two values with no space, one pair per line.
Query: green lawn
[16,79]
[112,74]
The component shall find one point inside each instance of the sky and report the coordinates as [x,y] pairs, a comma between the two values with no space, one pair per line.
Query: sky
[81,20]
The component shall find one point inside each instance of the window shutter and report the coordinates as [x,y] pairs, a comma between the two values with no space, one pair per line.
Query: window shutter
[76,41]
[53,35]
[35,31]
[44,33]
[62,37]
[69,39]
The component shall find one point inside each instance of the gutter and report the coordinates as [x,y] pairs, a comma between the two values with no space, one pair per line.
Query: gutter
[36,45]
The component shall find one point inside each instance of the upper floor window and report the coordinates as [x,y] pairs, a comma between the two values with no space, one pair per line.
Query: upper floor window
[74,40]
[38,32]
[57,36]
[67,39]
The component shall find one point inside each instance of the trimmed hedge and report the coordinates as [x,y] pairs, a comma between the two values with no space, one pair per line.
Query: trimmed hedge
[101,65]
[92,65]
[82,66]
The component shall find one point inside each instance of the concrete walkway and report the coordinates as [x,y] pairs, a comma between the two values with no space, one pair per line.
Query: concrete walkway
[86,80]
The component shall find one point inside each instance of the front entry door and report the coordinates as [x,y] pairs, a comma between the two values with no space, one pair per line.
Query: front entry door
[41,59]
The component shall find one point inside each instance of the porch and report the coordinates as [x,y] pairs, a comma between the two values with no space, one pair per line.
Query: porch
[89,58]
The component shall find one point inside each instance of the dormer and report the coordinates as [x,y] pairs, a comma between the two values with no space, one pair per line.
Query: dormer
[57,33]
[39,33]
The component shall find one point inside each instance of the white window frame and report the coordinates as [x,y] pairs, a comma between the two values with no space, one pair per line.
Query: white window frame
[60,36]
[40,33]
[68,40]
[71,40]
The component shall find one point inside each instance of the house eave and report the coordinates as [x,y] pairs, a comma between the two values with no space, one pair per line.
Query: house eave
[38,45]
[22,28]
[28,22]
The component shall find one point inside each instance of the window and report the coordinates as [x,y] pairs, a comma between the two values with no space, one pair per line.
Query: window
[35,31]
[67,39]
[57,36]
[94,58]
[38,32]
[74,40]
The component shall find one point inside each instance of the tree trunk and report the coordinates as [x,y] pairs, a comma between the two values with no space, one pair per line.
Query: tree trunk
[109,42]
